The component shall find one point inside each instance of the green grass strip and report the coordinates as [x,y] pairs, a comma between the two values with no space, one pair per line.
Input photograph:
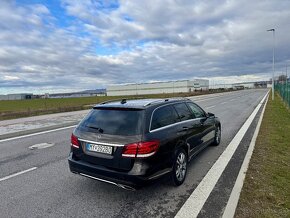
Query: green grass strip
[266,191]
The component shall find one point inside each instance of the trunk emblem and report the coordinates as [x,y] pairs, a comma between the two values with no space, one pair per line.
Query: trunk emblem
[99,136]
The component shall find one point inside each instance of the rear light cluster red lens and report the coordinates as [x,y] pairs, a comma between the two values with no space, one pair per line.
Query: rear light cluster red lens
[141,149]
[74,141]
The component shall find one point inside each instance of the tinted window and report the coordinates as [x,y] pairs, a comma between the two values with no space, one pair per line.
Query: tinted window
[198,112]
[114,121]
[164,116]
[183,111]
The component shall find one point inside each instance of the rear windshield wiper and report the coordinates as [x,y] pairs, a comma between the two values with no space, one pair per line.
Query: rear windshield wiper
[97,128]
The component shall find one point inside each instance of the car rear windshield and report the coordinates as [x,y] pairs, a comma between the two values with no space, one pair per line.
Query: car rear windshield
[114,121]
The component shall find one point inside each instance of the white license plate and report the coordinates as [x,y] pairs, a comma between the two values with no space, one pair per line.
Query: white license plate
[99,148]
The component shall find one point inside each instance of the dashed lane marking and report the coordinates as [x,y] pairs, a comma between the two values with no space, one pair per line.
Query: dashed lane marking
[17,174]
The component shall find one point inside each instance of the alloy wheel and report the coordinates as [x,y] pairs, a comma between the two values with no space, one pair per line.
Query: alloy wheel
[181,165]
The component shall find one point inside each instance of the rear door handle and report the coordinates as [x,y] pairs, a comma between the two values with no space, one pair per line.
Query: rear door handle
[182,130]
[185,128]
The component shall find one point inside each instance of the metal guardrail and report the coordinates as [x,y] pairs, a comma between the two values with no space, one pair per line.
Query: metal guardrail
[284,91]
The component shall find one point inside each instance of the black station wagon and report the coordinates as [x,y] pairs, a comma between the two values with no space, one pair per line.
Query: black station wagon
[130,142]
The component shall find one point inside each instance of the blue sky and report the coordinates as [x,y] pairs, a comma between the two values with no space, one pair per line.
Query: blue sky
[70,45]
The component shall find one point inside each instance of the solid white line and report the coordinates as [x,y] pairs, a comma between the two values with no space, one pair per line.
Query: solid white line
[196,200]
[210,107]
[37,133]
[235,194]
[17,174]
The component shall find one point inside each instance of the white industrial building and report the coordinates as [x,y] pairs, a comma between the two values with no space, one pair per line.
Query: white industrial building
[20,96]
[180,86]
[87,93]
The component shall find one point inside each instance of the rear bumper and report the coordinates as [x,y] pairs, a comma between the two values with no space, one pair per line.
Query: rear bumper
[104,174]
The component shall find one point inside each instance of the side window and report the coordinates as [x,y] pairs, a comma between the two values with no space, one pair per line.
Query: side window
[163,116]
[183,111]
[197,111]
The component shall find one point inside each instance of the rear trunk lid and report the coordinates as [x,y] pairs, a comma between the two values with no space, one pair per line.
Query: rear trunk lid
[103,134]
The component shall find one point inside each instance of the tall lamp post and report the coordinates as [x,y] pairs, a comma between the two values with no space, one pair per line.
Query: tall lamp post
[273,82]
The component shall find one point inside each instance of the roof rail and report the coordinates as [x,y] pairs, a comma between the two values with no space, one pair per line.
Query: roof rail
[149,103]
[165,99]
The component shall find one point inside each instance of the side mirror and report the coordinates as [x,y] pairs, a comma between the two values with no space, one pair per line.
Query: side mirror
[210,114]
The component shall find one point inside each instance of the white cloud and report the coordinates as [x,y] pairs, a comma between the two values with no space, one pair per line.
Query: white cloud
[139,41]
[9,78]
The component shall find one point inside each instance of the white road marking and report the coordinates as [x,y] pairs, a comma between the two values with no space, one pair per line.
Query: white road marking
[210,107]
[235,194]
[38,133]
[17,174]
[196,200]
[224,102]
[41,146]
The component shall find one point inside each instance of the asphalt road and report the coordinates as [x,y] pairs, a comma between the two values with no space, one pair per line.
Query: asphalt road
[51,190]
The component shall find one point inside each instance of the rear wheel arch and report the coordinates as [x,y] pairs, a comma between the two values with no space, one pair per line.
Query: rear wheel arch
[181,145]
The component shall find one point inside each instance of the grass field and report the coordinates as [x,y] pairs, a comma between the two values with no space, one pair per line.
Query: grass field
[266,191]
[23,108]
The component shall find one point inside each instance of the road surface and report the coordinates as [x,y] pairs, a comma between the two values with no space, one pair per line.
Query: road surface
[38,183]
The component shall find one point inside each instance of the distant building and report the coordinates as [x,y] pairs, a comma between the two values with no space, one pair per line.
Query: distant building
[20,96]
[180,86]
[87,93]
[242,85]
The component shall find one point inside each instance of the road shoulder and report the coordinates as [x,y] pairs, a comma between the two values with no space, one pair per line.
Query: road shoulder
[266,191]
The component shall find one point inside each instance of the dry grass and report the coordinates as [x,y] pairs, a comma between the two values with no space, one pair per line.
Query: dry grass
[24,108]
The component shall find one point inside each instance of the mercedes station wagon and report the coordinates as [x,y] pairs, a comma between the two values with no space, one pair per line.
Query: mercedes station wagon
[129,143]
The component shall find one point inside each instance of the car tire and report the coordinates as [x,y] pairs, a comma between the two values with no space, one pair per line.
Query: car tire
[179,167]
[217,136]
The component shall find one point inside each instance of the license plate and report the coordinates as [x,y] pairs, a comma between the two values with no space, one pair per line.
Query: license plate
[99,148]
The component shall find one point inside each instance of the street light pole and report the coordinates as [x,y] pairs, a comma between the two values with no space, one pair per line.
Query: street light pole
[273,82]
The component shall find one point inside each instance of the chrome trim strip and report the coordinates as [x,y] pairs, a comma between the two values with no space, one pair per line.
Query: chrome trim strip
[126,187]
[161,174]
[153,114]
[170,125]
[101,143]
[164,127]
[102,180]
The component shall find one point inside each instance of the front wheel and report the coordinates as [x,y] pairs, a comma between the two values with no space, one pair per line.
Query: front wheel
[179,167]
[217,136]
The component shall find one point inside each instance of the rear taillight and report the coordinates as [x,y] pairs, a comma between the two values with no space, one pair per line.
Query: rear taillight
[74,141]
[141,149]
